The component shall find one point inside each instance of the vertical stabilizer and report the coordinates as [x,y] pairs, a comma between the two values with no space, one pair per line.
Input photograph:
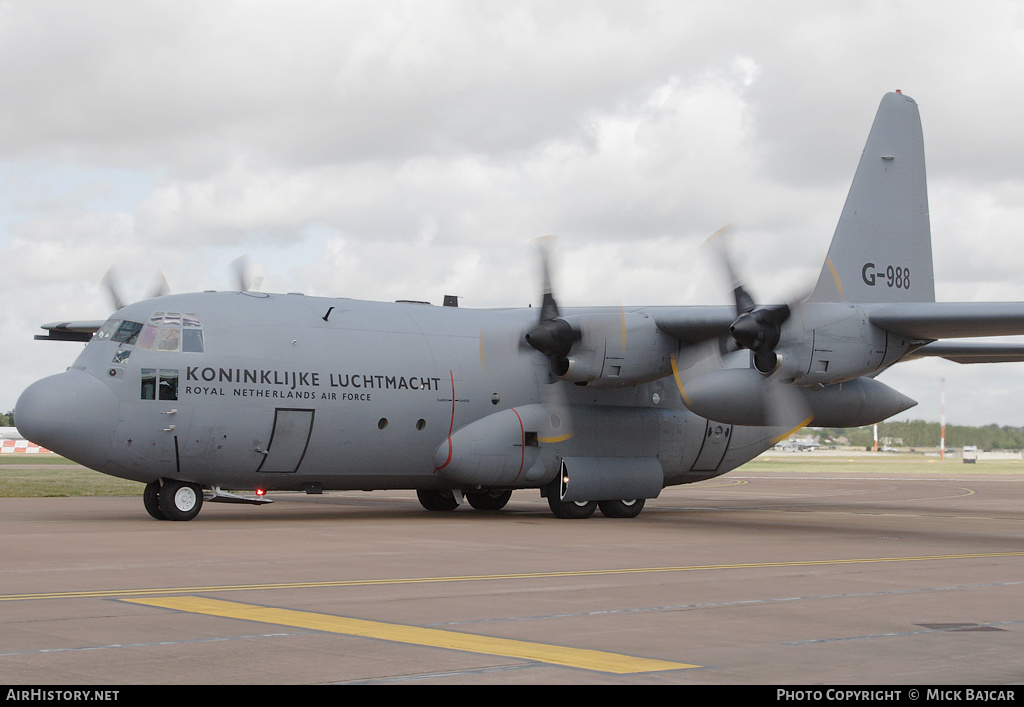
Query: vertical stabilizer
[882,247]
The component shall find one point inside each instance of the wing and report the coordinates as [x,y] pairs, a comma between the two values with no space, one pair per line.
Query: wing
[970,352]
[949,320]
[70,331]
[692,325]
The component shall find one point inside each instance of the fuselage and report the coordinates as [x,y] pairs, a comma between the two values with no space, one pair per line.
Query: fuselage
[246,390]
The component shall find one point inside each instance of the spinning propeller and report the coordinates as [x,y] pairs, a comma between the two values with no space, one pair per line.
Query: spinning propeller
[763,395]
[755,328]
[244,282]
[159,289]
[552,336]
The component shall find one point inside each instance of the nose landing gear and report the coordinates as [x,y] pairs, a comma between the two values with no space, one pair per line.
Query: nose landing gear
[168,499]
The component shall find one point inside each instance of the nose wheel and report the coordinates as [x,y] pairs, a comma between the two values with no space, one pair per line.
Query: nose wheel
[173,500]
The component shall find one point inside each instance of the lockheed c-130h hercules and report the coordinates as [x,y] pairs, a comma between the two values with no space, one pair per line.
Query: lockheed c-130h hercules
[223,396]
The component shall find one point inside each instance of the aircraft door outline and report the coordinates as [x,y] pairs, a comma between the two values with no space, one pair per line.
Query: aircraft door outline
[289,440]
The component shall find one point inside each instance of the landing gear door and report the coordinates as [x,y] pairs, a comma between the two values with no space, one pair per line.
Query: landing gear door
[288,441]
[716,442]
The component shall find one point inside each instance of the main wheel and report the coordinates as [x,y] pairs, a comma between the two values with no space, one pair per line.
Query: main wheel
[493,500]
[437,499]
[180,500]
[622,509]
[571,509]
[151,500]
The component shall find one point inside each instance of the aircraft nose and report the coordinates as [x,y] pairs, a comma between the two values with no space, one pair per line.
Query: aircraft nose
[72,414]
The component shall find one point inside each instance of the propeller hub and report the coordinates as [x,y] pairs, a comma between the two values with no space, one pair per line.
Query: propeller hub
[552,337]
[746,330]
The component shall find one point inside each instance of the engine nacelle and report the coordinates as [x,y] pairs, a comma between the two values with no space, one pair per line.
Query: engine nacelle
[617,349]
[833,349]
[862,401]
[742,396]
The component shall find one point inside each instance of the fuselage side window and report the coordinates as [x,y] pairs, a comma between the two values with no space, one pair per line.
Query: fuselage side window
[168,384]
[149,384]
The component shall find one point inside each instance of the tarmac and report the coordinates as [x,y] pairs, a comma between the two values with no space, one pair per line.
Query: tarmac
[762,578]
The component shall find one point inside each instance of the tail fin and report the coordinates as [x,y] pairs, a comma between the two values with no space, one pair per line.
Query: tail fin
[882,247]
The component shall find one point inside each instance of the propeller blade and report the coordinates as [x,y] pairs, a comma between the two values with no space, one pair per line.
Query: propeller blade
[243,281]
[552,336]
[161,288]
[115,296]
[755,328]
[559,426]
[744,302]
[549,308]
[787,408]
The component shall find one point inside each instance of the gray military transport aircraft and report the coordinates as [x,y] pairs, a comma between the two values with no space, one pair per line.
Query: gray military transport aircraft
[224,396]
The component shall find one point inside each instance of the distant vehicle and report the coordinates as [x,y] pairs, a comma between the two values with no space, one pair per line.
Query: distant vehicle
[225,395]
[800,444]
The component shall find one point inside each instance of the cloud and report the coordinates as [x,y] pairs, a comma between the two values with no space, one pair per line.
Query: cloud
[389,150]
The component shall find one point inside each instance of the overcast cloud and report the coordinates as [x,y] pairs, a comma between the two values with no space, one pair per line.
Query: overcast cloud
[389,150]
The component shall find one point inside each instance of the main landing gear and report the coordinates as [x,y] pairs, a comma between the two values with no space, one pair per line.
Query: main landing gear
[173,500]
[446,500]
[584,509]
[495,500]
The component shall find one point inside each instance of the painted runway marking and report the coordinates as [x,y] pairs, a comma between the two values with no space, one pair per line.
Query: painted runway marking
[116,593]
[415,635]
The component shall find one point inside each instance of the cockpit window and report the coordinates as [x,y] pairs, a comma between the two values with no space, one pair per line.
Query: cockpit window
[121,331]
[107,330]
[192,340]
[169,339]
[127,332]
[165,331]
[148,337]
[173,331]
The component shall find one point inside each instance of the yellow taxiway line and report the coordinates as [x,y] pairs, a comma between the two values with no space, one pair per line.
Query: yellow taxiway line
[556,655]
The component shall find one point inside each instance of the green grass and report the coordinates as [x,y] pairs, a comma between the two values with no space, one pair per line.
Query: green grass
[31,476]
[33,459]
[882,463]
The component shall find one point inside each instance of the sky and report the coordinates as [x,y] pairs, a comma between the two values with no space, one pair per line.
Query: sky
[391,150]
